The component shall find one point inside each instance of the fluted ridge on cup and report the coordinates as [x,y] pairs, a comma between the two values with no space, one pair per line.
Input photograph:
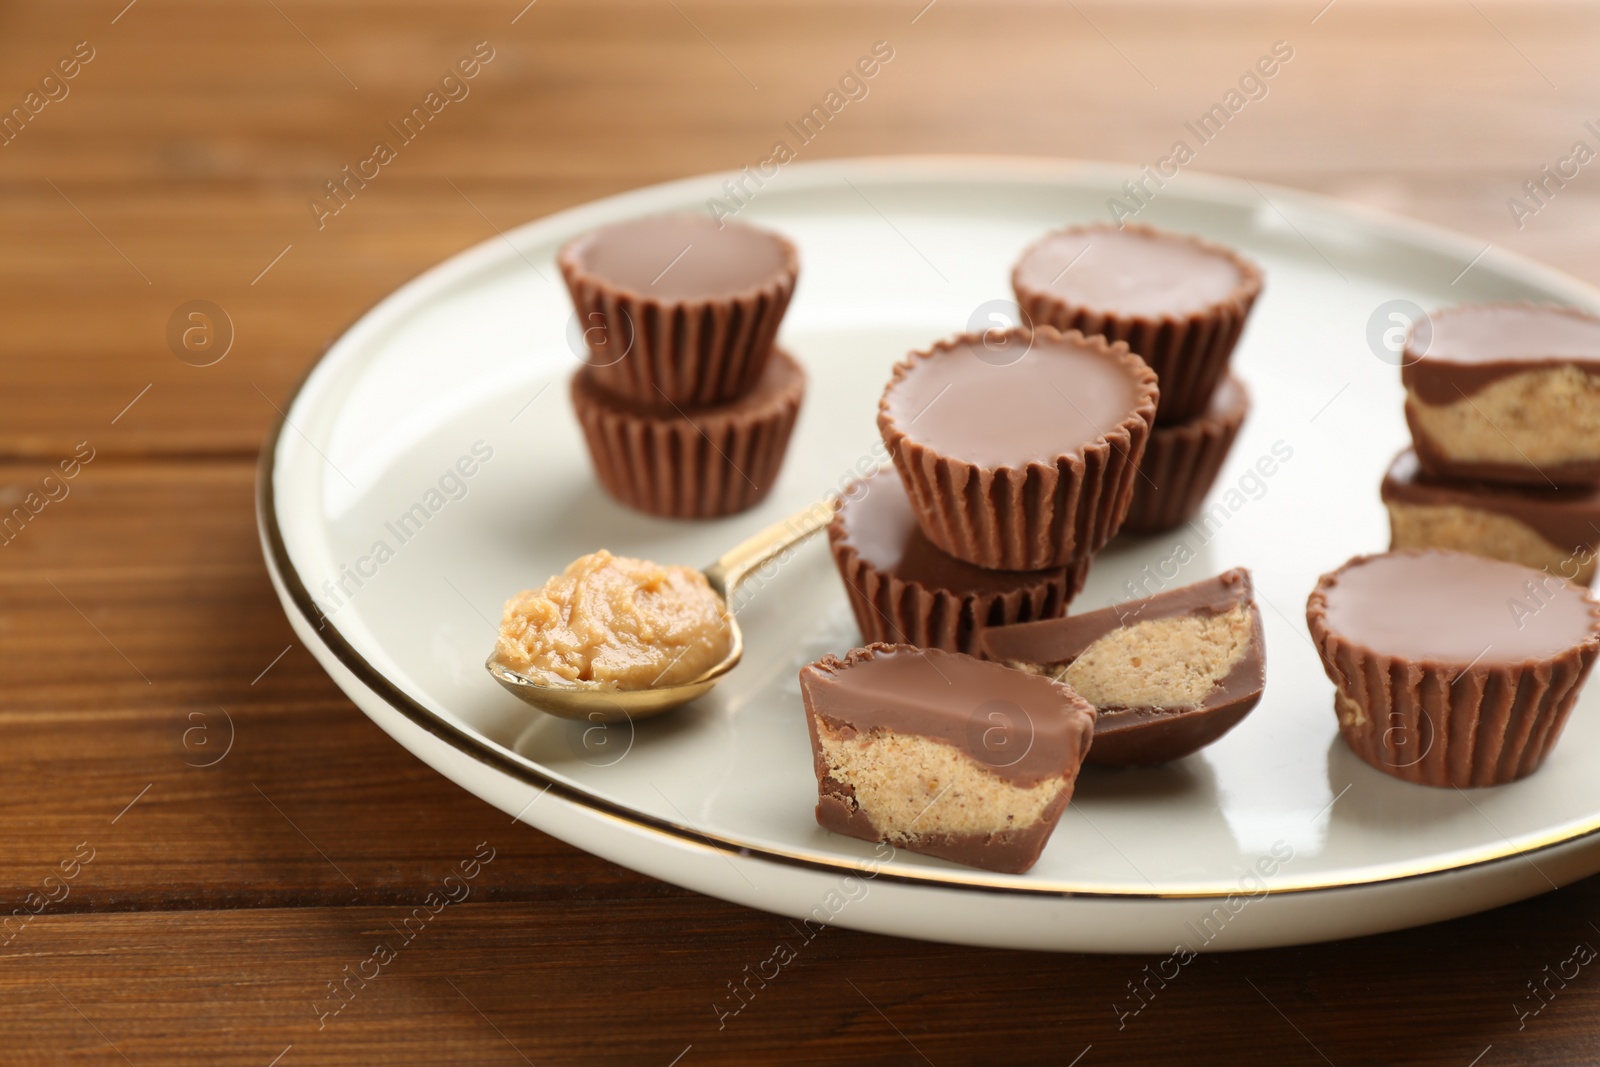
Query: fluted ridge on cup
[696,464]
[1032,517]
[895,610]
[678,352]
[1189,352]
[1180,465]
[1440,724]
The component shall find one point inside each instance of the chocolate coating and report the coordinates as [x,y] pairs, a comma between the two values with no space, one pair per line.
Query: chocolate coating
[1182,461]
[1568,517]
[1023,727]
[1025,465]
[1451,609]
[1135,736]
[701,464]
[1452,670]
[943,696]
[677,311]
[1461,350]
[1062,395]
[875,518]
[1132,271]
[903,589]
[1177,301]
[685,257]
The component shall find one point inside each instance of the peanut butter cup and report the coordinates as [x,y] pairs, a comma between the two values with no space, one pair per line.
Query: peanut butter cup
[1506,393]
[1557,530]
[1168,674]
[904,590]
[698,464]
[1019,456]
[1451,669]
[685,309]
[944,754]
[1182,461]
[1178,301]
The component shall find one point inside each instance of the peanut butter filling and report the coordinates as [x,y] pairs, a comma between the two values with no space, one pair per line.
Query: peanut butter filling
[1515,419]
[1483,533]
[613,622]
[1171,662]
[910,785]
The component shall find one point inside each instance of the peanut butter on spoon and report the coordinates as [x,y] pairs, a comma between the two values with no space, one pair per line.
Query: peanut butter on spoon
[616,623]
[613,637]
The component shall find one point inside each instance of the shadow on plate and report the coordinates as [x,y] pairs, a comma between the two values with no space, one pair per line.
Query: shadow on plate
[568,744]
[1376,800]
[1190,778]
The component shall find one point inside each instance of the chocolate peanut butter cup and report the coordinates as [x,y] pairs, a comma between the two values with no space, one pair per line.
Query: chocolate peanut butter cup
[685,308]
[944,754]
[691,464]
[1451,669]
[904,590]
[1506,393]
[1182,461]
[1178,301]
[1168,674]
[1019,456]
[1557,530]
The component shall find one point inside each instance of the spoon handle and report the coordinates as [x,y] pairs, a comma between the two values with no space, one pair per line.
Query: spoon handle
[737,564]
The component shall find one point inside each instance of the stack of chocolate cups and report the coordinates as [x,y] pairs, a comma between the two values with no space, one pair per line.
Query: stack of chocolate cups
[1180,303]
[1014,458]
[685,400]
[1503,402]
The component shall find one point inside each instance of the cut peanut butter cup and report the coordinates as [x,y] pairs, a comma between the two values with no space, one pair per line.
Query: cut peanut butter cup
[1506,393]
[942,753]
[1168,674]
[1552,529]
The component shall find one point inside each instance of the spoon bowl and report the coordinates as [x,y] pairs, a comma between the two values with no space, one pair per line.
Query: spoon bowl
[595,704]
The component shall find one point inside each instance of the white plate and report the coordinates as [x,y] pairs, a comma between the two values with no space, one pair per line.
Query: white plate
[718,797]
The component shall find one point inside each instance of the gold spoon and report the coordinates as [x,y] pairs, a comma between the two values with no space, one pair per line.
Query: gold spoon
[725,576]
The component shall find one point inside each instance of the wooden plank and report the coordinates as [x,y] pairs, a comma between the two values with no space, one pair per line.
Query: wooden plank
[147,657]
[192,144]
[608,981]
[222,899]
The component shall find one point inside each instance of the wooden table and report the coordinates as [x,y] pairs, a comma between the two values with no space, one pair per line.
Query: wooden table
[221,900]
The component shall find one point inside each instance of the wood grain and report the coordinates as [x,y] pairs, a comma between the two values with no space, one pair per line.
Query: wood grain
[639,980]
[135,610]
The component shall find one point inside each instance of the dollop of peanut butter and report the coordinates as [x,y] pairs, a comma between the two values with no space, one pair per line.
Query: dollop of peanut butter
[613,622]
